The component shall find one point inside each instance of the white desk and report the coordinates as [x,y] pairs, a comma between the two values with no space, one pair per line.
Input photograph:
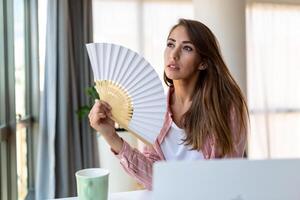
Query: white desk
[134,195]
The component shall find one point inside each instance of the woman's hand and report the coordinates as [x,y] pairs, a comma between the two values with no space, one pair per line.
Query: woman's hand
[100,120]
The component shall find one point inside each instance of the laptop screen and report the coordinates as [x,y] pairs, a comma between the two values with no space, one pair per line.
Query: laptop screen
[232,179]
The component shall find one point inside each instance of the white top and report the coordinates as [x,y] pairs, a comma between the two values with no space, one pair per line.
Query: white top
[174,149]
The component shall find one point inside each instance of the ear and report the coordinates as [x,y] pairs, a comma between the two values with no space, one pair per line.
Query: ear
[202,66]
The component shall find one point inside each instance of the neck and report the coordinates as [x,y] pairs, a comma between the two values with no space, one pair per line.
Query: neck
[183,91]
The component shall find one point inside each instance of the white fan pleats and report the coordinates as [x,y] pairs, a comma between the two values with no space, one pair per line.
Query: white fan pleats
[132,72]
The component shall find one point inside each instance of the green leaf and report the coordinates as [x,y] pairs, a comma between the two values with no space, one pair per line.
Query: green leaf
[83,111]
[92,92]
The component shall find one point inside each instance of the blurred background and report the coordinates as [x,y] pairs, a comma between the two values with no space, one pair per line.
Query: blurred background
[44,71]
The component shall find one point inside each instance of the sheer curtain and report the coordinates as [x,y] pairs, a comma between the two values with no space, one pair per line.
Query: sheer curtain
[66,144]
[273,50]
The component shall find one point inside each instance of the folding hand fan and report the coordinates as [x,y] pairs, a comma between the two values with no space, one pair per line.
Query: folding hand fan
[131,86]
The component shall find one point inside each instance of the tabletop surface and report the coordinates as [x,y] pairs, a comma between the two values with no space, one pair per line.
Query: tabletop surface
[132,195]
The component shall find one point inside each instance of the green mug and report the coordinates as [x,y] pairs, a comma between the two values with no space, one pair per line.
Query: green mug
[92,184]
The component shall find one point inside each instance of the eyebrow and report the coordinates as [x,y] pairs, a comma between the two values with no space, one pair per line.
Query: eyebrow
[185,42]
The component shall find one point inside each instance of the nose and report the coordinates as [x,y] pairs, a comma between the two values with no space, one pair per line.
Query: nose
[175,53]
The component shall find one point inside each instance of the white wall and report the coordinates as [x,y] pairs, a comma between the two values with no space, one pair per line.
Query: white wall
[226,19]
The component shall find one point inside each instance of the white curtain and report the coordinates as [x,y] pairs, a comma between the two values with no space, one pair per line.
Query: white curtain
[273,52]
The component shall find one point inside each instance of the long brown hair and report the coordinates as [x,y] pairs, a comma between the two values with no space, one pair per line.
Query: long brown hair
[216,95]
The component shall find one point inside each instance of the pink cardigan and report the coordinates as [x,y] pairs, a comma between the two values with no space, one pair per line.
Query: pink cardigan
[139,165]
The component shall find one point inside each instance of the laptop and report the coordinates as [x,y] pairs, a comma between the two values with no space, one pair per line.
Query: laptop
[233,179]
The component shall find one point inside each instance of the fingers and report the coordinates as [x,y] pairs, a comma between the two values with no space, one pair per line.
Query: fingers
[97,118]
[100,116]
[106,105]
[100,107]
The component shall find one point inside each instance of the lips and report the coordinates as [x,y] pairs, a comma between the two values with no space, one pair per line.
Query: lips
[173,66]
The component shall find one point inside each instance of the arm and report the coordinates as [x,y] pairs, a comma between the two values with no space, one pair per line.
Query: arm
[135,163]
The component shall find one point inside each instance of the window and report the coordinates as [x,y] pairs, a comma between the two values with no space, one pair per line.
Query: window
[20,83]
[19,92]
[42,20]
[273,47]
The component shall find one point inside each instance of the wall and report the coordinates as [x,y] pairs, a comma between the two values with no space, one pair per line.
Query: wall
[227,21]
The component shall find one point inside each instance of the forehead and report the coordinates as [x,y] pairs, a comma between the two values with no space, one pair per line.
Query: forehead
[179,34]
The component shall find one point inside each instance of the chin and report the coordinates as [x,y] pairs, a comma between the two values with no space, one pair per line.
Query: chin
[172,77]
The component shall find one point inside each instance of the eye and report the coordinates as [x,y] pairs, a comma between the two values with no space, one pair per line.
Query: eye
[170,44]
[188,48]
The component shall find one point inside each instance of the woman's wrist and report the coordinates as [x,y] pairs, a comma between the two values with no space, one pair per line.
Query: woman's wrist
[114,141]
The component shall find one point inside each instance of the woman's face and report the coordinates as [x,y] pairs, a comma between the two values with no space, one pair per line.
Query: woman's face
[181,59]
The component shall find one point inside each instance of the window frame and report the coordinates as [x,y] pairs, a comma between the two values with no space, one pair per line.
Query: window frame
[31,120]
[8,172]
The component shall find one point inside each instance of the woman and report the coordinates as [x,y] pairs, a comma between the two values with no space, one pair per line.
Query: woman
[207,114]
